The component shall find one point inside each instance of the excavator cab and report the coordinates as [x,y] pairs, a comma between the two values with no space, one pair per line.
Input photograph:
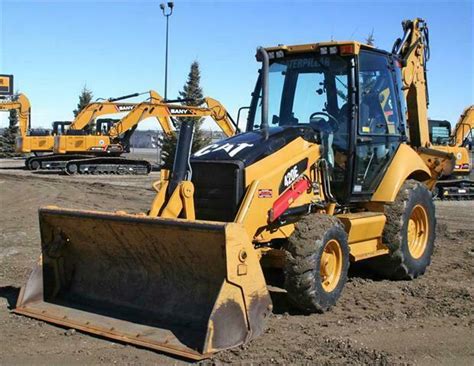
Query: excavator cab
[60,127]
[440,132]
[103,125]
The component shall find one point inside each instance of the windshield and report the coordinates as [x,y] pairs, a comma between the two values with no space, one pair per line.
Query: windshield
[310,90]
[439,132]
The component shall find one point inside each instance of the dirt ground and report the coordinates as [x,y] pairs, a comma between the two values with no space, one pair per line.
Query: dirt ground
[426,321]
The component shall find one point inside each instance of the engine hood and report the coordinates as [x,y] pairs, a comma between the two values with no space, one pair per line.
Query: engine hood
[250,147]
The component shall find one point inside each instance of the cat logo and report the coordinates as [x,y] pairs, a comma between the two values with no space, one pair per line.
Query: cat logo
[179,111]
[124,107]
[230,149]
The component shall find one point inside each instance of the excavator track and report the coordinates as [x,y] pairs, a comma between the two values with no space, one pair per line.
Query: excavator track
[455,189]
[108,165]
[51,161]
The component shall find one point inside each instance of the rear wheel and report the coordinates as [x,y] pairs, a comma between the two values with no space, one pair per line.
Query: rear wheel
[409,233]
[317,263]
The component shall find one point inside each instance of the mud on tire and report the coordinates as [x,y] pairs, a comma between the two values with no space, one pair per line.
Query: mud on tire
[400,264]
[305,248]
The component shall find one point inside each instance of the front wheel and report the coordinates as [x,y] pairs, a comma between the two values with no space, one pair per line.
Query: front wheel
[317,263]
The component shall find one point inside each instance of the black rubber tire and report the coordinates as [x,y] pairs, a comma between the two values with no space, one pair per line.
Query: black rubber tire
[302,269]
[399,264]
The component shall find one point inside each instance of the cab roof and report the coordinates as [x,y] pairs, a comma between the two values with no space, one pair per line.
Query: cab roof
[312,47]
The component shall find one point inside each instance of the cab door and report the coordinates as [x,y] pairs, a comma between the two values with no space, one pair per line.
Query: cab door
[380,127]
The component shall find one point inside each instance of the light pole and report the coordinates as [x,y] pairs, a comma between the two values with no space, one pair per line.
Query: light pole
[167,9]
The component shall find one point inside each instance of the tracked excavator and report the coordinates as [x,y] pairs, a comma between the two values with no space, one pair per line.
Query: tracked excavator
[79,128]
[39,141]
[459,184]
[101,153]
[326,174]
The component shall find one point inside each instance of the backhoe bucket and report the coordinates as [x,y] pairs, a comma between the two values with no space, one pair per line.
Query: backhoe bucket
[189,288]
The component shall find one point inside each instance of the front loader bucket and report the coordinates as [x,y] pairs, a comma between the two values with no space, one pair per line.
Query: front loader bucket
[190,288]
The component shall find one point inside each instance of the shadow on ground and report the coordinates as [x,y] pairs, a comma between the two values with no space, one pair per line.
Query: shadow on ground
[11,294]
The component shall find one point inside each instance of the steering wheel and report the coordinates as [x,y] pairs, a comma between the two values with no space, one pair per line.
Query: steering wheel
[329,116]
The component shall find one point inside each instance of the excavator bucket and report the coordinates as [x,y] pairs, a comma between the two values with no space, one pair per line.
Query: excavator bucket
[189,288]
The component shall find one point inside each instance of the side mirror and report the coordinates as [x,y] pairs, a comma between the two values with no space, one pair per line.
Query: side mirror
[238,113]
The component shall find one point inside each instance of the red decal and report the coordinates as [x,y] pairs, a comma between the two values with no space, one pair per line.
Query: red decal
[286,199]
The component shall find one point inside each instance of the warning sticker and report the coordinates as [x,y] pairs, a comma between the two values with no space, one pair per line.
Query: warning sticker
[265,193]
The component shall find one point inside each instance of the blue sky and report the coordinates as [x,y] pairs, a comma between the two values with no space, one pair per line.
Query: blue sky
[56,47]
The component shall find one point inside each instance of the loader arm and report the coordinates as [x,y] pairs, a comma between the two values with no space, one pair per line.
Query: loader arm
[22,105]
[464,126]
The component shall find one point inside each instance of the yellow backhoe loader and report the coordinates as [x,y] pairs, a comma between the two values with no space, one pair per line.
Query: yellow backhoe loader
[325,175]
[459,184]
[79,128]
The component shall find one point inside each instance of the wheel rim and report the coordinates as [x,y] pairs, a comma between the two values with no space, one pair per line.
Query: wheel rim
[331,265]
[417,231]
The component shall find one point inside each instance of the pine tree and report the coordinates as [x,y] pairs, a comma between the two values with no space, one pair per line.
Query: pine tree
[192,93]
[7,140]
[370,40]
[84,99]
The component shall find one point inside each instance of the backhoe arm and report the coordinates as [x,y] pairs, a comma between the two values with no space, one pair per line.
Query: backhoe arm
[464,126]
[414,52]
[20,103]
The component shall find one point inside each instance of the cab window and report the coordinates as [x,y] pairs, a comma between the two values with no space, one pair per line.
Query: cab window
[378,113]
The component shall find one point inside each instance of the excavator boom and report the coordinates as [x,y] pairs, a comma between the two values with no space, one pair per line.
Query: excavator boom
[464,127]
[21,104]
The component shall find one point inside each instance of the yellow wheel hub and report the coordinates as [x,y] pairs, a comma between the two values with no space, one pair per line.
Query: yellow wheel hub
[331,265]
[418,231]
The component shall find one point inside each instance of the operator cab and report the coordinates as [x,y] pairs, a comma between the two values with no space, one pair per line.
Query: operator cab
[60,127]
[440,132]
[350,96]
[103,125]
